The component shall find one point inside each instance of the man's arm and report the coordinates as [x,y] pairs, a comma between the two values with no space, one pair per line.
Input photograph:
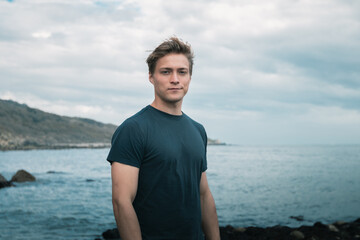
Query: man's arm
[124,187]
[209,217]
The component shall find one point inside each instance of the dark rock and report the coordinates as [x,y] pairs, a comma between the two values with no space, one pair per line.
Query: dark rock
[4,182]
[255,231]
[333,228]
[278,232]
[22,176]
[2,179]
[319,231]
[54,172]
[320,225]
[240,229]
[299,218]
[339,223]
[111,234]
[297,234]
[225,232]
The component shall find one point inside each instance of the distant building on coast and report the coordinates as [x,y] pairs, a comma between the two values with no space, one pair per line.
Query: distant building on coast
[215,142]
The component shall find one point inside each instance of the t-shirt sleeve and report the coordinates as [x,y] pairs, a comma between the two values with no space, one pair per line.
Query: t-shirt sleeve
[127,144]
[204,136]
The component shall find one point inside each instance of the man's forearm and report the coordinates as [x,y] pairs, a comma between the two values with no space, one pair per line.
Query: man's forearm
[127,222]
[210,222]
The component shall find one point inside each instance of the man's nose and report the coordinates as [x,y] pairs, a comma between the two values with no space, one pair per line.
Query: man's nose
[174,78]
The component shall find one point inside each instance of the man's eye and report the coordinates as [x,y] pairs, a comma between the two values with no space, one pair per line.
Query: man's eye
[165,72]
[182,72]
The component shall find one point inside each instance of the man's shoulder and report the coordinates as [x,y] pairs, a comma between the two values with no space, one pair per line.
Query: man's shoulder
[134,122]
[195,123]
[138,117]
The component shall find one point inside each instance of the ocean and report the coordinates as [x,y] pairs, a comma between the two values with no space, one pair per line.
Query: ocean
[252,186]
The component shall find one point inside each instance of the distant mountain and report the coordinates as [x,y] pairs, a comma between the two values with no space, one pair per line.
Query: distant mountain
[22,127]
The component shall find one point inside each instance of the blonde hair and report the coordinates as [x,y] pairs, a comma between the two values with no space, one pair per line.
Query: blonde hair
[172,45]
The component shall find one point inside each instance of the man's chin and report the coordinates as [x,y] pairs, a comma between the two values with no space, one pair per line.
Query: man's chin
[173,100]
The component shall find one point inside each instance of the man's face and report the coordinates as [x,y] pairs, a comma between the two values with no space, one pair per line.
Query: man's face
[171,78]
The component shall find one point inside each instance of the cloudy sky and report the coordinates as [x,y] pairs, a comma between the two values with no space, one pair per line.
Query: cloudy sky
[266,72]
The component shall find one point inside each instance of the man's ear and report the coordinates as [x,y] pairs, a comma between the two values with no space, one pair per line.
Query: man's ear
[151,78]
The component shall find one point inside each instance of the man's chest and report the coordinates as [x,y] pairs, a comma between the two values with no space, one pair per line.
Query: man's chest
[170,145]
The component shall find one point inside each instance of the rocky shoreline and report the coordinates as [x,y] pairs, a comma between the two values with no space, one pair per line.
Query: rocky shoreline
[53,146]
[24,145]
[319,231]
[19,176]
[335,231]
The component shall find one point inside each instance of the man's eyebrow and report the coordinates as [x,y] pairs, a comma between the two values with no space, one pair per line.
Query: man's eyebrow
[169,68]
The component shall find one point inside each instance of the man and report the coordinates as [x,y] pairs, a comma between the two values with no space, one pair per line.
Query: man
[158,160]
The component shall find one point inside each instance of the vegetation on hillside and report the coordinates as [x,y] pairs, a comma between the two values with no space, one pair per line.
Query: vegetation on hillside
[22,127]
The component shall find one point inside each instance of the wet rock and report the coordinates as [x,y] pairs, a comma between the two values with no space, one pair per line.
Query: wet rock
[299,218]
[111,234]
[22,176]
[54,172]
[4,182]
[333,228]
[2,179]
[225,232]
[297,234]
[320,225]
[240,229]
[338,223]
[319,231]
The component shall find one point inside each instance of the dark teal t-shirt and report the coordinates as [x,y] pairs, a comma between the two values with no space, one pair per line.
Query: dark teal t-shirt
[170,152]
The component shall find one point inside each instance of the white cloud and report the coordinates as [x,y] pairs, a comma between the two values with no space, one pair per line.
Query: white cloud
[258,64]
[42,34]
[332,116]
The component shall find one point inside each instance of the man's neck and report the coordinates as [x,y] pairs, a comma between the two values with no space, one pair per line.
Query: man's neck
[170,108]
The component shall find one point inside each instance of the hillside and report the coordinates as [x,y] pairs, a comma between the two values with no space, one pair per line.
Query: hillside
[22,127]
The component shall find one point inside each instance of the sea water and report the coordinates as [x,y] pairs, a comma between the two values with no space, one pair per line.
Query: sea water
[252,186]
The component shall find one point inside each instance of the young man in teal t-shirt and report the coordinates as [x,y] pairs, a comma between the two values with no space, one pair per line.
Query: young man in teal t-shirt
[158,159]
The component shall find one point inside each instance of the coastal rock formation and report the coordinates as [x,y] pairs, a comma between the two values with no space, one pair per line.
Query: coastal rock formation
[22,176]
[2,179]
[297,234]
[4,182]
[111,234]
[319,231]
[24,128]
